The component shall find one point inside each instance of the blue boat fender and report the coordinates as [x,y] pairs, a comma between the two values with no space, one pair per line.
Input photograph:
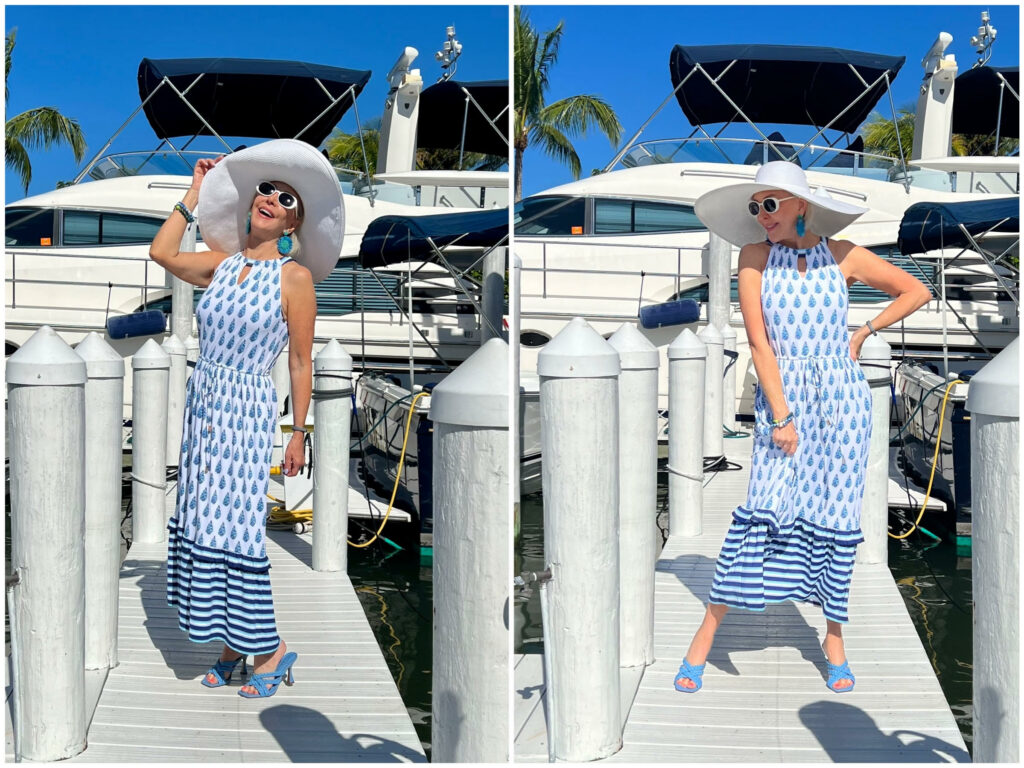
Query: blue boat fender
[678,312]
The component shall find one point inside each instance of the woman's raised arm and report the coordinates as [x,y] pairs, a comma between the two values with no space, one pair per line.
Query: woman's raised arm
[194,268]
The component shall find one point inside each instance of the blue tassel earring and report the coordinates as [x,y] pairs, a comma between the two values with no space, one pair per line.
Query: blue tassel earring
[248,222]
[284,245]
[801,228]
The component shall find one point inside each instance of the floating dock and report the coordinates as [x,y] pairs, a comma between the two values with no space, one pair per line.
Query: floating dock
[764,698]
[344,706]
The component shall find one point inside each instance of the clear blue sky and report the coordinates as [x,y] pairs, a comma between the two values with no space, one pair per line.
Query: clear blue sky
[621,54]
[84,60]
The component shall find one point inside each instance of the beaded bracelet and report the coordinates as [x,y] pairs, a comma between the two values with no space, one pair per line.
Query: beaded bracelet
[184,211]
[776,423]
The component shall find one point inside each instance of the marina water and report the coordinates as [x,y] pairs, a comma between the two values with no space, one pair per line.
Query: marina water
[934,582]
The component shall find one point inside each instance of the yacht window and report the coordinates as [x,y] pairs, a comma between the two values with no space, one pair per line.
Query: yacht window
[621,216]
[551,216]
[701,293]
[28,227]
[96,228]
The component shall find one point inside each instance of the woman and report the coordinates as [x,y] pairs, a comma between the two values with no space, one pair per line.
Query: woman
[796,536]
[253,206]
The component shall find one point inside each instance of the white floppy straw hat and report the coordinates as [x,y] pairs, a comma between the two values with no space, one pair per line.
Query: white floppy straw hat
[724,210]
[229,188]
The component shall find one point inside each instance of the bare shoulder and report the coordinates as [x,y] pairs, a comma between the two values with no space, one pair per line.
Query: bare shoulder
[754,255]
[847,255]
[295,277]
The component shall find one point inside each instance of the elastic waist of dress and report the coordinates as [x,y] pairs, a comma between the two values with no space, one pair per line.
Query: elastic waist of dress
[819,359]
[206,362]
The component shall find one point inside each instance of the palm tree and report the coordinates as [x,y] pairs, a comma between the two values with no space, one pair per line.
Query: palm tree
[550,126]
[880,137]
[42,127]
[344,149]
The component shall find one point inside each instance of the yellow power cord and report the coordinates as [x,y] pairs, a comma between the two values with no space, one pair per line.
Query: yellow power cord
[279,515]
[935,461]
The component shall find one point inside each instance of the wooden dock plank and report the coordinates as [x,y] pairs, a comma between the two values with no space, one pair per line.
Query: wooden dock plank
[764,697]
[344,706]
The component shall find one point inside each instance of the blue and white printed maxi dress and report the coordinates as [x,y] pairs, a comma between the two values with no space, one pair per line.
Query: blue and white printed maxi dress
[796,536]
[218,573]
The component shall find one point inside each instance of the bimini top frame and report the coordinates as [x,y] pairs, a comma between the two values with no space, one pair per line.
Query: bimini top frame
[213,97]
[827,88]
[484,128]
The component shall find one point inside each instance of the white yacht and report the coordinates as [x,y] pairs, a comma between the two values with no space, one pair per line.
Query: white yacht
[607,246]
[77,256]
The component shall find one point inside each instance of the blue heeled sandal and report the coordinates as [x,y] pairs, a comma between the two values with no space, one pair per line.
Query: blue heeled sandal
[223,670]
[837,672]
[267,683]
[690,672]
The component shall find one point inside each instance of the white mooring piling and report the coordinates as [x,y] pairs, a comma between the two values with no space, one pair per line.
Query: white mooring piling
[687,361]
[714,368]
[182,293]
[104,395]
[994,404]
[875,357]
[579,373]
[46,421]
[332,414]
[191,353]
[492,293]
[638,493]
[470,412]
[729,376]
[150,366]
[177,373]
[717,258]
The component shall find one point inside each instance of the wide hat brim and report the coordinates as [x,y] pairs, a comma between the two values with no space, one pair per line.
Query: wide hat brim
[228,189]
[724,210]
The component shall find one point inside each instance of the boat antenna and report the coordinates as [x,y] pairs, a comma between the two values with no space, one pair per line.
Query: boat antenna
[982,41]
[448,55]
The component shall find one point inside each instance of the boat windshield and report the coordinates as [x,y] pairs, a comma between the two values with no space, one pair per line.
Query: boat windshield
[815,157]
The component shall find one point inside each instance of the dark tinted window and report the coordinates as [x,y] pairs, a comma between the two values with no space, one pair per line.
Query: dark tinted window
[627,216]
[26,227]
[550,216]
[96,228]
[922,270]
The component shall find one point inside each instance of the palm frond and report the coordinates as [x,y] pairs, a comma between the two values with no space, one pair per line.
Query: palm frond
[579,114]
[16,159]
[45,128]
[557,145]
[880,133]
[345,149]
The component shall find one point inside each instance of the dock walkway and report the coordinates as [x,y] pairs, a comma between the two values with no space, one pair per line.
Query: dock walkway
[344,706]
[764,697]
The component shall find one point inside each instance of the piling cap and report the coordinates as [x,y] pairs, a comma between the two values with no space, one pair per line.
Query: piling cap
[578,352]
[476,393]
[191,343]
[995,390]
[728,333]
[332,357]
[173,345]
[876,348]
[45,360]
[687,346]
[636,353]
[150,356]
[710,334]
[101,360]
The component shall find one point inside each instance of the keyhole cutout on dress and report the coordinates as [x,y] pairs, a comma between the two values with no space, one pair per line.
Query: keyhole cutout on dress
[802,273]
[243,274]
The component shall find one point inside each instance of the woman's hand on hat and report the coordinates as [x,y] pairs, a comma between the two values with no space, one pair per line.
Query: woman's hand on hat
[203,165]
[786,438]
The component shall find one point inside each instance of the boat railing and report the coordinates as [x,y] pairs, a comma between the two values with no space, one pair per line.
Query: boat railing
[70,275]
[813,157]
[545,270]
[146,163]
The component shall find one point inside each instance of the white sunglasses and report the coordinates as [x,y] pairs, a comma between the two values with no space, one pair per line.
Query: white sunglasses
[286,200]
[770,205]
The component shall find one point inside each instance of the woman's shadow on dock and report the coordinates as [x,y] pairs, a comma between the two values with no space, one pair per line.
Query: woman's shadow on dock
[307,736]
[780,626]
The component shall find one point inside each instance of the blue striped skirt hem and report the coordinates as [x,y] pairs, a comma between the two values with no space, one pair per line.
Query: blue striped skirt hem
[221,601]
[762,563]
